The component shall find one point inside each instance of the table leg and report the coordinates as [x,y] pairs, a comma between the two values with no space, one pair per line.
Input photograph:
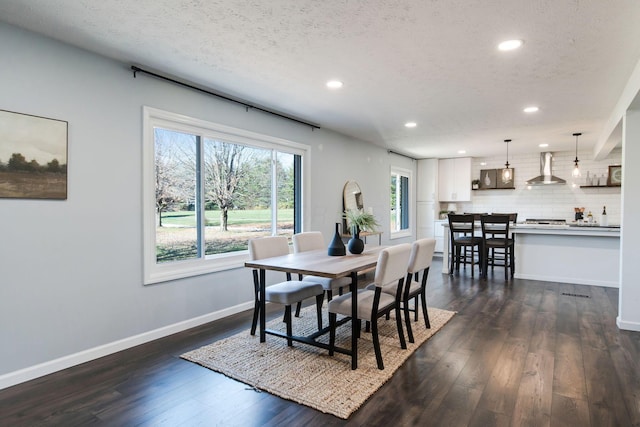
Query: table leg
[354,320]
[263,322]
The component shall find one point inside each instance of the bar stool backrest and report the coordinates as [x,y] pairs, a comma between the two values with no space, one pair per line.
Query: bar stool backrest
[495,226]
[461,224]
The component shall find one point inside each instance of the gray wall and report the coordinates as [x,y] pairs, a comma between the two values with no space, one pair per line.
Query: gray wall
[71,271]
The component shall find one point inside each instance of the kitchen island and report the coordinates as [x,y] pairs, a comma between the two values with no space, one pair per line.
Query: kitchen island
[579,255]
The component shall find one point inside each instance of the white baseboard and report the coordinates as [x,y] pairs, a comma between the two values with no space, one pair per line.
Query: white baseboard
[627,326]
[569,280]
[46,368]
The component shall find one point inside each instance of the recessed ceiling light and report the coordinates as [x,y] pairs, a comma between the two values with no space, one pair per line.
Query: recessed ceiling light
[543,145]
[462,151]
[411,124]
[531,109]
[510,44]
[334,84]
[483,163]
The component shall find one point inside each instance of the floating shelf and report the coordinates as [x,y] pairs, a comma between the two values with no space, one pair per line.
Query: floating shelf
[600,186]
[489,189]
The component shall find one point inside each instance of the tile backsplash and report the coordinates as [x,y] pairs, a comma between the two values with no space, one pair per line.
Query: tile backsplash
[548,201]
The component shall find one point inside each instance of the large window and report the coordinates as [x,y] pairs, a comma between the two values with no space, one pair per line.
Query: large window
[213,189]
[400,203]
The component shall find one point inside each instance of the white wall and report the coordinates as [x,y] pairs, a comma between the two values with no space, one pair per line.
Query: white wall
[629,297]
[548,201]
[71,271]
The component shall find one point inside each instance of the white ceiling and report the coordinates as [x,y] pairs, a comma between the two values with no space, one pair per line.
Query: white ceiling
[434,62]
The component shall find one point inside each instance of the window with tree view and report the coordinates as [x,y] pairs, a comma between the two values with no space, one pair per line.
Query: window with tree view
[213,193]
[399,215]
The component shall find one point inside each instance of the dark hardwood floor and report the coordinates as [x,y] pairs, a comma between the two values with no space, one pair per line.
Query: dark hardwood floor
[518,353]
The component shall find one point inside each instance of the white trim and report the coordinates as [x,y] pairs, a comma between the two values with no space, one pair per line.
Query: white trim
[154,272]
[627,326]
[36,371]
[571,280]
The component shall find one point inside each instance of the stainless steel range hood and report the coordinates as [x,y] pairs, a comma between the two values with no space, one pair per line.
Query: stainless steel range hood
[546,176]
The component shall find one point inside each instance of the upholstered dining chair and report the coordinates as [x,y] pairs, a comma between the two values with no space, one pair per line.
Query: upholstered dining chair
[285,293]
[310,241]
[372,304]
[414,288]
[419,261]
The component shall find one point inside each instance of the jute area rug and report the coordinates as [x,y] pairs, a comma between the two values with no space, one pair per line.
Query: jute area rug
[308,375]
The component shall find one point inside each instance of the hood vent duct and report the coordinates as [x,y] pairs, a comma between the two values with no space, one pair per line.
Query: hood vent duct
[546,176]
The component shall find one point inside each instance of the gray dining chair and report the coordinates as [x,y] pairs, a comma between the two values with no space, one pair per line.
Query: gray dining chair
[391,270]
[285,293]
[310,241]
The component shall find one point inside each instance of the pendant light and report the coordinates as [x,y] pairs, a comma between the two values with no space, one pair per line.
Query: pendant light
[576,168]
[506,173]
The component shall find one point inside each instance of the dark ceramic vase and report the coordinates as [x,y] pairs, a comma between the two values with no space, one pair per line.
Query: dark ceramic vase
[336,247]
[355,245]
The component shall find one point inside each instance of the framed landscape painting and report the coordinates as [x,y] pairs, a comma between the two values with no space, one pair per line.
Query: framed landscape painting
[33,157]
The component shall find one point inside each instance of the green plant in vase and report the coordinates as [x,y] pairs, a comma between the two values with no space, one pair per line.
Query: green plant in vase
[363,220]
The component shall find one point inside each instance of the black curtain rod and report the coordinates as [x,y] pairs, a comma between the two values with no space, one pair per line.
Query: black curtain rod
[400,154]
[226,98]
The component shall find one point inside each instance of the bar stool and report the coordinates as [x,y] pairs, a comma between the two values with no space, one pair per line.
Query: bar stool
[498,254]
[496,238]
[462,235]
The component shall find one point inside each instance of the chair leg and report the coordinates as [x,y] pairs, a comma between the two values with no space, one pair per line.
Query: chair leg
[452,251]
[407,320]
[427,324]
[319,299]
[287,317]
[256,312]
[376,341]
[332,332]
[512,263]
[506,265]
[298,306]
[329,294]
[403,343]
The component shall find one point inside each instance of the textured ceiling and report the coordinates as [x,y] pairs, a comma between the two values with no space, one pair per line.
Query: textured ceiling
[434,62]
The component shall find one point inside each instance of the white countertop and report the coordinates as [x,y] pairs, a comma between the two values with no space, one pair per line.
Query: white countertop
[566,230]
[560,230]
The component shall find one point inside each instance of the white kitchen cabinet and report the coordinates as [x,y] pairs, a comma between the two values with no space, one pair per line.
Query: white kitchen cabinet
[438,234]
[427,180]
[454,180]
[426,215]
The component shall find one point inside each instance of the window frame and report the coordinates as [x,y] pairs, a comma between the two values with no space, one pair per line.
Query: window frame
[407,232]
[154,272]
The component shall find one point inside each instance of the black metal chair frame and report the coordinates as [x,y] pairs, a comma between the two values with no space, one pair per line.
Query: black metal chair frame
[287,308]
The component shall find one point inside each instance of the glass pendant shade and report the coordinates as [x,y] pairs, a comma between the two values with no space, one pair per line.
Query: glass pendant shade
[576,168]
[506,173]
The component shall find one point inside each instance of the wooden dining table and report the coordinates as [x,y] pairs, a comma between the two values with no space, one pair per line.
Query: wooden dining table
[318,263]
